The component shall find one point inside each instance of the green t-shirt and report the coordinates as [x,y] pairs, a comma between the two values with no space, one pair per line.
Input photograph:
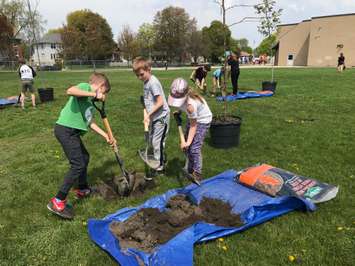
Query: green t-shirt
[78,111]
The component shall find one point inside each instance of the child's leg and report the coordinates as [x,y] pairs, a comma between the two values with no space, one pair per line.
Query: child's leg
[71,143]
[159,132]
[82,181]
[194,151]
[214,84]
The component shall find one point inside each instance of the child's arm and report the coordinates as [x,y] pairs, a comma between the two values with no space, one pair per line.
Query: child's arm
[158,104]
[75,91]
[192,131]
[99,131]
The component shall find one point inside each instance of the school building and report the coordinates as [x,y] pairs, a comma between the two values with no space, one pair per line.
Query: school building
[317,42]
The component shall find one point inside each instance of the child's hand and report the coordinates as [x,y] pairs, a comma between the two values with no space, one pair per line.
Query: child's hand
[184,146]
[112,141]
[100,96]
[146,119]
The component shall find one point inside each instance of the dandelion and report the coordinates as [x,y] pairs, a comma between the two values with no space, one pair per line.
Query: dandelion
[291,258]
[224,248]
[340,228]
[220,239]
[85,223]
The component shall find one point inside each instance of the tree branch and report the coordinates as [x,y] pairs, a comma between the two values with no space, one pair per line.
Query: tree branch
[246,19]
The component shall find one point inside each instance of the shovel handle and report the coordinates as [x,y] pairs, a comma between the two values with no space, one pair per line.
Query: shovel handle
[146,125]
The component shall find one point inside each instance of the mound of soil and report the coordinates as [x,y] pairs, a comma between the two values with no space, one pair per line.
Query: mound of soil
[149,227]
[226,120]
[109,189]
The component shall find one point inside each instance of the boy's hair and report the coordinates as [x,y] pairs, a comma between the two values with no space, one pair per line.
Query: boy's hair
[100,78]
[141,63]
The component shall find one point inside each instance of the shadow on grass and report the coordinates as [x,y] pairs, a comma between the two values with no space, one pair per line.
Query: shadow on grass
[173,169]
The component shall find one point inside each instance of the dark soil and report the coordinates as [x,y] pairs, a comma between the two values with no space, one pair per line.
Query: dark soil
[226,120]
[109,190]
[149,227]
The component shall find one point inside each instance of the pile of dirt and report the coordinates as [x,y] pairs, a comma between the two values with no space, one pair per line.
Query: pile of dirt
[226,120]
[108,190]
[149,227]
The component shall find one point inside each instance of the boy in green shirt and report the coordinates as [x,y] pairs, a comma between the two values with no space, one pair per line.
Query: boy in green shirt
[75,119]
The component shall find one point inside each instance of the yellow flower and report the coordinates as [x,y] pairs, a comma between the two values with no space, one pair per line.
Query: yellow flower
[85,223]
[340,228]
[291,258]
[224,248]
[220,239]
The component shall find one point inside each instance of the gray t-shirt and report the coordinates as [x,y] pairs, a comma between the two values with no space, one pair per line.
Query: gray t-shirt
[153,88]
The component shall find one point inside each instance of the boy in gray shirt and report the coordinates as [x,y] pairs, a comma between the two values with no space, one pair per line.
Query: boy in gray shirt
[157,112]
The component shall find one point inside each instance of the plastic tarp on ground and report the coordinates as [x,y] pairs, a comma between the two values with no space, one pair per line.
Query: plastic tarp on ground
[253,206]
[245,95]
[4,102]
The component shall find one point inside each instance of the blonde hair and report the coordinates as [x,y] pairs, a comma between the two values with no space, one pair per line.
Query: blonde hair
[194,95]
[141,63]
[97,77]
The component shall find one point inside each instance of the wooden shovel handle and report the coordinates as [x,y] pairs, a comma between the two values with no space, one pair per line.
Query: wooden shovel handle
[109,132]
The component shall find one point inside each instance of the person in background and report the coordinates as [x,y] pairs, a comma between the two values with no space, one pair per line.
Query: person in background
[341,62]
[217,79]
[27,75]
[233,61]
[198,76]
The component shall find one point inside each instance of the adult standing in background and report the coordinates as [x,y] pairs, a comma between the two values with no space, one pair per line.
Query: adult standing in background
[233,61]
[27,75]
[341,62]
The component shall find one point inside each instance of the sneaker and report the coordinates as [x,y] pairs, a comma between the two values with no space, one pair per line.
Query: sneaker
[82,193]
[60,208]
[57,205]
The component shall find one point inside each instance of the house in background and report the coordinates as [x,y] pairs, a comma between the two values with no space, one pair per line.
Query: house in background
[317,42]
[47,51]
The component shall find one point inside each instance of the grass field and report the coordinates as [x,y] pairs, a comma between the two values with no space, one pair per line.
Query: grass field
[308,127]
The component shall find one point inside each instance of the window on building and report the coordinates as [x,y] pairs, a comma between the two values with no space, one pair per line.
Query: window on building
[290,57]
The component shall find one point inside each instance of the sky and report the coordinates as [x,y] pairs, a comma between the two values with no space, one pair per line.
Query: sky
[136,12]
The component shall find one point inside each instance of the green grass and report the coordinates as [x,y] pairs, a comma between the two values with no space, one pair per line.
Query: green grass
[32,166]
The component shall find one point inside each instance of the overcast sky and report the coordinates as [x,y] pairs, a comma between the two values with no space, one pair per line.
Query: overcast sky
[136,12]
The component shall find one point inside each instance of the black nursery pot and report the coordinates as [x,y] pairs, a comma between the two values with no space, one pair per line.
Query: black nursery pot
[225,132]
[269,85]
[46,94]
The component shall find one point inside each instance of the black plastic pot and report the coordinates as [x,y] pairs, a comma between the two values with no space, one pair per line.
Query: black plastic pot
[225,133]
[46,95]
[269,85]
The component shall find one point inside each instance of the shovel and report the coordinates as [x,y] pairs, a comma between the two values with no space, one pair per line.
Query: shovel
[127,182]
[147,159]
[178,120]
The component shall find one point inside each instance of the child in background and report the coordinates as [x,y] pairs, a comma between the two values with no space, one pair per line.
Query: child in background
[217,79]
[199,119]
[158,112]
[198,76]
[27,75]
[74,121]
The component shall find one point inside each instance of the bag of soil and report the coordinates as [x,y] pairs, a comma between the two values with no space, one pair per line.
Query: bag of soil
[278,182]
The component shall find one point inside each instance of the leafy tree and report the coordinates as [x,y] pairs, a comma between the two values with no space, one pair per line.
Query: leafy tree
[264,46]
[128,43]
[146,38]
[6,35]
[215,36]
[239,45]
[172,26]
[87,35]
[196,45]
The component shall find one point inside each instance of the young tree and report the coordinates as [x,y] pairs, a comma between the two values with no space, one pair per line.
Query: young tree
[6,35]
[172,26]
[270,18]
[128,43]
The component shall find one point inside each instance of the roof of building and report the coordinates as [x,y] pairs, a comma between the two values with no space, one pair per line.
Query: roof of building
[51,38]
[306,20]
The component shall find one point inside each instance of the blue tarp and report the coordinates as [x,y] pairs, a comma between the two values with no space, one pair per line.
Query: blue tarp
[253,206]
[245,95]
[4,102]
